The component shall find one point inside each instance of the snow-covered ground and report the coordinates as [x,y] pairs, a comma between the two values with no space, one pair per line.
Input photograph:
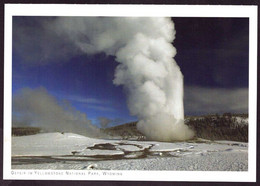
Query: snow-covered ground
[72,151]
[241,121]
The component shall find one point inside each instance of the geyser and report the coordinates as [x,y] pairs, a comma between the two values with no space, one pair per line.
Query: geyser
[147,70]
[154,84]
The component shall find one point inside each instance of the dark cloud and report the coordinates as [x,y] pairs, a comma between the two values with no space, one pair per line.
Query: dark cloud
[213,52]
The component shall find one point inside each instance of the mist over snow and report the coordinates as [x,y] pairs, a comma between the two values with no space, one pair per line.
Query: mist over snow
[36,107]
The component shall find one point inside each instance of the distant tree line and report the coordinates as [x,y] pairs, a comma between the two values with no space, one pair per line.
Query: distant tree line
[23,131]
[220,127]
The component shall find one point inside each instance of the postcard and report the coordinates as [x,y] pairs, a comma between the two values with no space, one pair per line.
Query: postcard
[130,92]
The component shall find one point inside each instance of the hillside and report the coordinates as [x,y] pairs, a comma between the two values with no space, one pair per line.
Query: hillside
[125,131]
[233,127]
[24,131]
[220,127]
[228,126]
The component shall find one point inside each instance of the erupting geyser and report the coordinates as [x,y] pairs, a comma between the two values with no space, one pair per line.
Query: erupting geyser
[143,47]
[154,84]
[147,70]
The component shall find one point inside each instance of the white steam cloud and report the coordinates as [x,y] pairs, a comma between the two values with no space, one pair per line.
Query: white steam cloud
[147,70]
[36,107]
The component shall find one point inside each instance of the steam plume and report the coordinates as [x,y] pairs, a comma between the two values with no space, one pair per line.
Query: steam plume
[37,107]
[104,122]
[147,70]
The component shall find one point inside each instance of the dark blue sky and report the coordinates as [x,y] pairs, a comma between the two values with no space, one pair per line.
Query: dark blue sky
[211,52]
